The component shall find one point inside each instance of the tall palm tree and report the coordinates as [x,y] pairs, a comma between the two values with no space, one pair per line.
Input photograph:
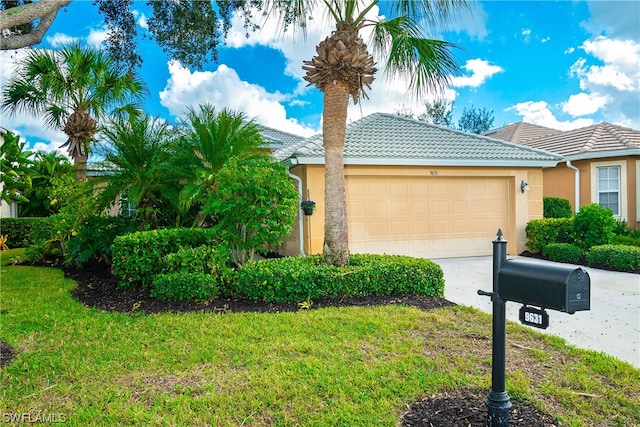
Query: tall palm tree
[72,89]
[137,151]
[344,68]
[210,139]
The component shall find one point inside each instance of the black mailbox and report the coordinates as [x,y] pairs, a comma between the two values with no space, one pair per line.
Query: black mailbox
[553,286]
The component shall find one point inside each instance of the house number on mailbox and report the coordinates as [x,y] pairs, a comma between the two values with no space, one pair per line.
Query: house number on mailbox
[538,318]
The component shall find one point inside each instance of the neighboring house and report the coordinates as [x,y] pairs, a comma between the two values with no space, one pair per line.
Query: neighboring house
[601,164]
[422,190]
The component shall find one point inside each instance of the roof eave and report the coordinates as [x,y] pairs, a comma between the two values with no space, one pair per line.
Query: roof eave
[433,162]
[605,153]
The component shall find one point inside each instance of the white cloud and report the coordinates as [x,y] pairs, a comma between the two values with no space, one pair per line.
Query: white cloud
[141,19]
[60,39]
[584,104]
[612,70]
[473,21]
[539,113]
[526,34]
[615,19]
[97,36]
[480,71]
[224,88]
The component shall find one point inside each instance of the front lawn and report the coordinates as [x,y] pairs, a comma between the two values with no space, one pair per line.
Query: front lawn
[350,366]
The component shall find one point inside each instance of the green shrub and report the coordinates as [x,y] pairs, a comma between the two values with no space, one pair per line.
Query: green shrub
[201,259]
[184,286]
[303,278]
[18,230]
[255,204]
[49,237]
[618,257]
[593,225]
[541,232]
[563,252]
[625,240]
[137,257]
[555,207]
[94,238]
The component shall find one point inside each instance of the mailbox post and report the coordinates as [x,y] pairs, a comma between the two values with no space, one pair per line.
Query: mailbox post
[553,286]
[498,402]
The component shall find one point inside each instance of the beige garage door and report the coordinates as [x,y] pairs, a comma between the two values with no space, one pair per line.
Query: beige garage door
[428,217]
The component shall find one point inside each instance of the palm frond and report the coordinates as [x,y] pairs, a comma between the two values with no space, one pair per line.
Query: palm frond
[429,64]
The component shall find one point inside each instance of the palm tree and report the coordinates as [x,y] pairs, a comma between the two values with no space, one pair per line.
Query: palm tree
[210,139]
[137,151]
[343,68]
[72,89]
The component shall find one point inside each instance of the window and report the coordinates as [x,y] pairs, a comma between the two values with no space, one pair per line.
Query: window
[608,187]
[127,209]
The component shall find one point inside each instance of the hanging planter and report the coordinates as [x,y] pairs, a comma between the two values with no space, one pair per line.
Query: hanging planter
[308,206]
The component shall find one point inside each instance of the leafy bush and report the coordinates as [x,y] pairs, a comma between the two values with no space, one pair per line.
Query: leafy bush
[50,238]
[593,225]
[555,207]
[304,278]
[618,257]
[201,259]
[541,232]
[184,286]
[18,230]
[94,238]
[137,257]
[625,240]
[255,205]
[563,252]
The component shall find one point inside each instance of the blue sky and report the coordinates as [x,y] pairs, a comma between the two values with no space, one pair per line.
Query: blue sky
[564,65]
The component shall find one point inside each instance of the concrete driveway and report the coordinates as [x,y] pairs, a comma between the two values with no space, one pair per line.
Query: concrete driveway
[611,326]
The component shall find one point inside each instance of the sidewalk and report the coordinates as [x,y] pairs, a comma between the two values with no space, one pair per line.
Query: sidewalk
[611,326]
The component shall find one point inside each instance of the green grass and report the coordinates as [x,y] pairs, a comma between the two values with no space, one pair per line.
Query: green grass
[324,367]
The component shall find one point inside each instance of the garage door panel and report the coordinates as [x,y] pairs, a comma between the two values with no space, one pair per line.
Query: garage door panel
[426,216]
[377,208]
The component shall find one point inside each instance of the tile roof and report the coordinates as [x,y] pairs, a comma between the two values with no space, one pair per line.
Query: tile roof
[394,140]
[520,132]
[591,141]
[278,138]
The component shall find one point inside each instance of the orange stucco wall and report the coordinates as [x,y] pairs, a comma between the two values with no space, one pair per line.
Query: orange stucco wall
[560,182]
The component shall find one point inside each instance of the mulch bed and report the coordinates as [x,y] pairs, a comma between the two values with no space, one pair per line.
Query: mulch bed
[97,287]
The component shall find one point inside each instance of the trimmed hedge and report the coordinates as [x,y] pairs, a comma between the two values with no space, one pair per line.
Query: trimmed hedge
[18,230]
[185,286]
[138,257]
[541,232]
[619,257]
[556,207]
[563,252]
[305,278]
[625,240]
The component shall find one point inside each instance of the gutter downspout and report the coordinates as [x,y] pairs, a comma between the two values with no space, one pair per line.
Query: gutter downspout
[294,162]
[577,185]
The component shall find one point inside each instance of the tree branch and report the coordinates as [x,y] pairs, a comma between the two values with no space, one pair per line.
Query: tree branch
[45,10]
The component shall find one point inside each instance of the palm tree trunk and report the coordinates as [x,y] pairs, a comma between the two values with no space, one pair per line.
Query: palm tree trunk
[336,240]
[80,165]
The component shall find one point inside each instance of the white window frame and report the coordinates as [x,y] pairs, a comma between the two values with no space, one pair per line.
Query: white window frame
[623,184]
